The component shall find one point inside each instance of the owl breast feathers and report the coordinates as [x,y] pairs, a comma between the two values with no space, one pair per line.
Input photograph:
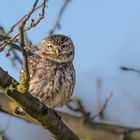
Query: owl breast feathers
[52,74]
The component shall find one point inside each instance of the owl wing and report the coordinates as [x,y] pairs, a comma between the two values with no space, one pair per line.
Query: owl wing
[33,61]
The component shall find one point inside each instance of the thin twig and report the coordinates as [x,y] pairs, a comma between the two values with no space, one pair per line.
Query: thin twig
[25,76]
[102,109]
[27,16]
[79,107]
[130,69]
[41,16]
[12,39]
[57,22]
[4,39]
[98,92]
[16,58]
[12,47]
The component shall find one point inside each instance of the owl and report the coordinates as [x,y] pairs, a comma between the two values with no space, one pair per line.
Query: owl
[52,74]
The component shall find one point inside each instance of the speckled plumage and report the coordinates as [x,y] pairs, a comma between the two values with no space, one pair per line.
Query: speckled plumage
[52,75]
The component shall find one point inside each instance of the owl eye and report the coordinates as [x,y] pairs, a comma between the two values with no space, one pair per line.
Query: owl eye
[64,46]
[49,47]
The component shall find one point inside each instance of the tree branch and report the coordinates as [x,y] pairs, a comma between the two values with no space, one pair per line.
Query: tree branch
[130,69]
[25,18]
[79,108]
[45,116]
[24,77]
[57,22]
[102,109]
[85,129]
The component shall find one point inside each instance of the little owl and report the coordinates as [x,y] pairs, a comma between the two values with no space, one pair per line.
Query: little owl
[52,74]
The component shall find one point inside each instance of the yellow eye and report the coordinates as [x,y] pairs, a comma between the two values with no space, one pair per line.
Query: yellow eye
[64,46]
[49,47]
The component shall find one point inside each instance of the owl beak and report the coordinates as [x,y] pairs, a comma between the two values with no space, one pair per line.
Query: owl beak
[57,51]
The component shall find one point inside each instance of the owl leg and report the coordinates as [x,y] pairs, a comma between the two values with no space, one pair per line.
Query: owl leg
[19,111]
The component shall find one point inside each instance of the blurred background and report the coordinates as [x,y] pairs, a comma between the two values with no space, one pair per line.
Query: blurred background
[106,36]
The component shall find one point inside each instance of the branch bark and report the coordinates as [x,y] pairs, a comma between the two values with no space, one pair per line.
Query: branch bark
[48,118]
[45,116]
[85,129]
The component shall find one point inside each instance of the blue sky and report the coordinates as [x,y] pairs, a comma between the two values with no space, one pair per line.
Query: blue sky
[106,36]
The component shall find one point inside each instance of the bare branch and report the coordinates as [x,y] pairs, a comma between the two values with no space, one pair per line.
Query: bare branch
[85,129]
[26,17]
[98,92]
[47,117]
[25,77]
[12,47]
[57,22]
[24,82]
[101,110]
[79,108]
[130,69]
[15,58]
[41,16]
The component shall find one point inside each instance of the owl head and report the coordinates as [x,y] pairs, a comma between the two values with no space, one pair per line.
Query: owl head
[58,48]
